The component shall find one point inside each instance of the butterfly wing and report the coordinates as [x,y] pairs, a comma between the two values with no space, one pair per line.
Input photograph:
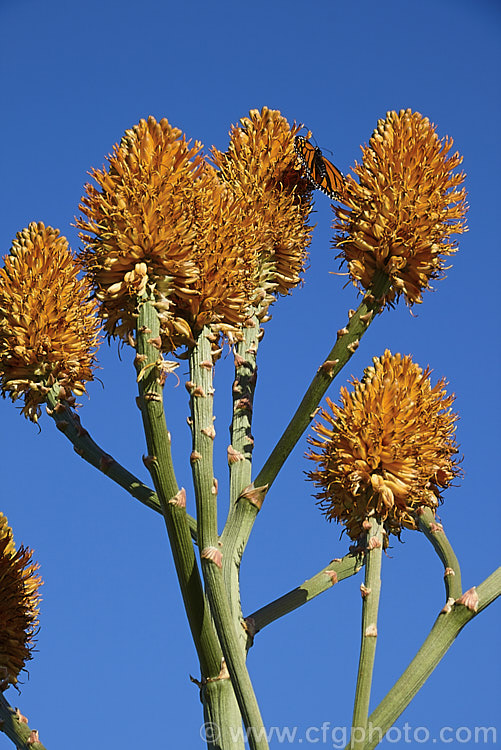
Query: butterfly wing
[319,170]
[308,156]
[332,182]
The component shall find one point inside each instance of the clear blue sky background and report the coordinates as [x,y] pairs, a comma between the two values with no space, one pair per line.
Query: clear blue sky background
[114,654]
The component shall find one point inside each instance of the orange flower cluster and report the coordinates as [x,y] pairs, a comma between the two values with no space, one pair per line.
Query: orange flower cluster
[138,233]
[399,217]
[48,328]
[387,449]
[19,600]
[204,244]
[261,169]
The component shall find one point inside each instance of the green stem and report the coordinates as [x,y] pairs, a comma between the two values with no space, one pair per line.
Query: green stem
[234,656]
[234,535]
[68,422]
[370,606]
[14,725]
[159,463]
[201,392]
[222,724]
[244,385]
[434,532]
[447,627]
[336,571]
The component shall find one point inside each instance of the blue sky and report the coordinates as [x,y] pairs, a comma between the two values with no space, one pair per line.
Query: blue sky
[114,654]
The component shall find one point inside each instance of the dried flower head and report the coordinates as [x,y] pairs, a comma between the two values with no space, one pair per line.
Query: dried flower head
[399,217]
[261,169]
[48,329]
[19,599]
[387,449]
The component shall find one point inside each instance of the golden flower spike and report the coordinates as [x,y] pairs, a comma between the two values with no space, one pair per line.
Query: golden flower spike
[387,449]
[261,169]
[137,227]
[400,215]
[48,329]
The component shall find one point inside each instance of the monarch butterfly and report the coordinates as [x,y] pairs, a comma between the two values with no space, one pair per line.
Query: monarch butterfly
[319,170]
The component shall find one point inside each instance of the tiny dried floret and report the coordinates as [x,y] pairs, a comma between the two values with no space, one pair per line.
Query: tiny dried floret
[49,331]
[388,448]
[399,217]
[19,600]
